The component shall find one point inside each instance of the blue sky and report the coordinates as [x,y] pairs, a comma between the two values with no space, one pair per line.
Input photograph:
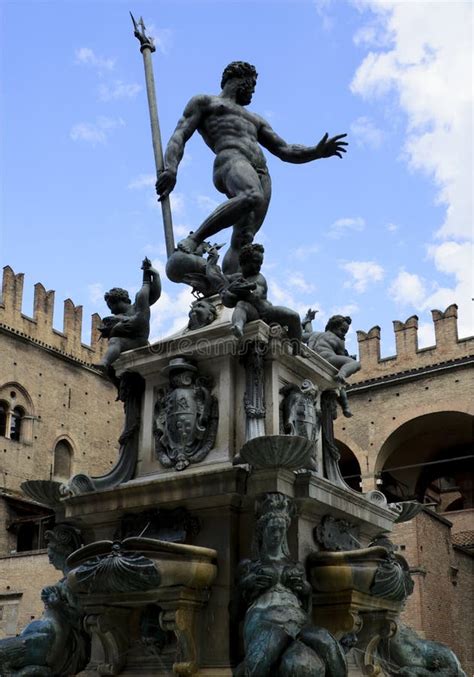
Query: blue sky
[381,235]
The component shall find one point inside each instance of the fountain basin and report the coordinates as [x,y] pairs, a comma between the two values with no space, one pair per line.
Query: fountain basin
[278,451]
[138,565]
[373,571]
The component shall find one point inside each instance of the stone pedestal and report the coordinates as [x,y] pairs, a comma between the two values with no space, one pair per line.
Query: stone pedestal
[246,380]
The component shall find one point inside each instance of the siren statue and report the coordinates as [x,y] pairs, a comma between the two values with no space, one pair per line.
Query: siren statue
[279,637]
[56,643]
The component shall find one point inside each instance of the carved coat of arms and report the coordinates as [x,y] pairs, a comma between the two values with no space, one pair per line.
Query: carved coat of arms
[186,416]
[300,413]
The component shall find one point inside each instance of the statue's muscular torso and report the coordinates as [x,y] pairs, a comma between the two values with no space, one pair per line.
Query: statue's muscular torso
[227,127]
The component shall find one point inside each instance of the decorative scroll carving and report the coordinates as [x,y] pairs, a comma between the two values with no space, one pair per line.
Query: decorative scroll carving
[186,417]
[182,622]
[110,640]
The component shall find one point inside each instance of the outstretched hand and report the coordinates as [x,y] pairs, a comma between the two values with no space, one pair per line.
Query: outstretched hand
[165,183]
[329,147]
[310,315]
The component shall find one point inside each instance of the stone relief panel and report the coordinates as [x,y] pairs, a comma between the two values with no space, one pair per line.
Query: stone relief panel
[300,412]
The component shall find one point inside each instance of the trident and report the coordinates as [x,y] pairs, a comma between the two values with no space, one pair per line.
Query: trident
[146,48]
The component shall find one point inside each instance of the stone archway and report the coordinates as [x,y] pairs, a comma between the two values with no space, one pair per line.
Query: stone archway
[427,457]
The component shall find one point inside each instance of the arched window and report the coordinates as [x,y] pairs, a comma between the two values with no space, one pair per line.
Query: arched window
[16,413]
[3,418]
[62,459]
[15,423]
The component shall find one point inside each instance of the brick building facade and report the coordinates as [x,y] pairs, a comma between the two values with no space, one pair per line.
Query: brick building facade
[58,417]
[411,437]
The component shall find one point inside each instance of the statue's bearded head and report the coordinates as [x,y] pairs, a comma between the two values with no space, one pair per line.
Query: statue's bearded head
[245,76]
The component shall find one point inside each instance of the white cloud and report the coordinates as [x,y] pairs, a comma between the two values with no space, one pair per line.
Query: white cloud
[147,182]
[391,227]
[162,37]
[366,133]
[421,52]
[187,159]
[305,251]
[181,230]
[206,203]
[426,61]
[322,6]
[454,258]
[348,309]
[178,203]
[170,313]
[297,281]
[142,181]
[426,334]
[119,90]
[362,274]
[95,132]
[449,258]
[96,292]
[280,295]
[342,226]
[153,250]
[86,56]
[408,289]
